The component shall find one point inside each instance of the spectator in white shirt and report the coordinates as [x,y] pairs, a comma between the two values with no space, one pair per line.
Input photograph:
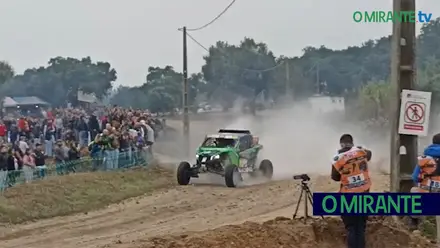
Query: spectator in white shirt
[22,144]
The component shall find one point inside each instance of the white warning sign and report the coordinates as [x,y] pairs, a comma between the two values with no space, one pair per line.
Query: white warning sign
[414,112]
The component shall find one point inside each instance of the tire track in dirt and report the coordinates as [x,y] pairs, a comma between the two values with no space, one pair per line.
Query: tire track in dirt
[179,209]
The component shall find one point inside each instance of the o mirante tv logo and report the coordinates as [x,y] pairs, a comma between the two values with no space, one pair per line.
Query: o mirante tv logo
[391,16]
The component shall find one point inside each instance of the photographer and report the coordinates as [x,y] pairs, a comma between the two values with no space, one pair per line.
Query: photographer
[426,174]
[350,168]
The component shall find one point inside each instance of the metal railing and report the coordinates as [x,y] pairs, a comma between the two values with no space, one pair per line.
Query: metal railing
[102,161]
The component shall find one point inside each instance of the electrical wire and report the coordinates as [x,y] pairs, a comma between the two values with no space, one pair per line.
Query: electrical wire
[213,20]
[254,70]
[197,42]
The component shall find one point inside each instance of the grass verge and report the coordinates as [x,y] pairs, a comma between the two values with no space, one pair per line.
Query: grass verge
[76,193]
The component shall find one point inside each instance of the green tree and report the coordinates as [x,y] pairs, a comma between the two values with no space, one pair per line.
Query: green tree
[231,71]
[60,81]
[162,91]
[6,72]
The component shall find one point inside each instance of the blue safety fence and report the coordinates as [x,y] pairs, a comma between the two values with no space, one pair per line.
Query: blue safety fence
[103,161]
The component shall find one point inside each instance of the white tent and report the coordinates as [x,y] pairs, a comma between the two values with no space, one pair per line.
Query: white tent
[9,102]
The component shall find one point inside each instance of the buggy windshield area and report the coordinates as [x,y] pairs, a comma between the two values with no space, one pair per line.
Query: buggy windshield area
[219,142]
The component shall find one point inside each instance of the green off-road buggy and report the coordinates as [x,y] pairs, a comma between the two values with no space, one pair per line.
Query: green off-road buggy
[228,153]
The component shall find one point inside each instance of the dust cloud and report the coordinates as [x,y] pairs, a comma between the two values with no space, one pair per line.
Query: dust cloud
[295,138]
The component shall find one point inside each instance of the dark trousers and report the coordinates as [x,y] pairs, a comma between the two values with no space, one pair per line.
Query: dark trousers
[356,226]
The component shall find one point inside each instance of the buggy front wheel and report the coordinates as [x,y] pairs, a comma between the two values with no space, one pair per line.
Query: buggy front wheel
[232,176]
[183,173]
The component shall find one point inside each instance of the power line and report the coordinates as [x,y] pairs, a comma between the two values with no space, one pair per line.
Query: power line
[213,20]
[197,42]
[206,49]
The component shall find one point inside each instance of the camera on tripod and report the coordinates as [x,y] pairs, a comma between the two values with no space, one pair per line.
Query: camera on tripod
[303,177]
[306,193]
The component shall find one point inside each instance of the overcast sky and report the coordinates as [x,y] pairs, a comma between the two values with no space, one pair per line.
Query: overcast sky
[135,34]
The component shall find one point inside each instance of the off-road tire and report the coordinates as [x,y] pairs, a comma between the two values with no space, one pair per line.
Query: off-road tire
[183,173]
[266,168]
[230,169]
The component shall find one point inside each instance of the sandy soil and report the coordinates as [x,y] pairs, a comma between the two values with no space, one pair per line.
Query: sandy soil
[186,208]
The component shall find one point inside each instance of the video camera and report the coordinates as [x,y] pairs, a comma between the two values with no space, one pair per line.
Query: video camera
[303,177]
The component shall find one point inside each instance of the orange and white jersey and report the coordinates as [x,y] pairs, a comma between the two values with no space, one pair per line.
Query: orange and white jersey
[429,181]
[352,165]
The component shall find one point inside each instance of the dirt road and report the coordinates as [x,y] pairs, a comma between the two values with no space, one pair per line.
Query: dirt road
[190,208]
[199,207]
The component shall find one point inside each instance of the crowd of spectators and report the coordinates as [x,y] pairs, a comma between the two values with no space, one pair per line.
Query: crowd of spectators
[28,144]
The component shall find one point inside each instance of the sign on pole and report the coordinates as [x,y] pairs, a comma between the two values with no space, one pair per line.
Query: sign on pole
[414,112]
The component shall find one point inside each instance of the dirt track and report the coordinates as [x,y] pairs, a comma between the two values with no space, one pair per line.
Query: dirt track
[180,209]
[186,209]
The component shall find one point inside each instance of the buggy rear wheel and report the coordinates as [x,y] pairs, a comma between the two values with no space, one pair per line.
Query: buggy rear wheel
[183,173]
[266,168]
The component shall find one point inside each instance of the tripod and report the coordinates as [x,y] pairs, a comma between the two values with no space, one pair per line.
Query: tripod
[305,190]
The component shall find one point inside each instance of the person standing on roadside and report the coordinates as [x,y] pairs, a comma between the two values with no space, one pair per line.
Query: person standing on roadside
[426,175]
[350,168]
[40,162]
[3,167]
[28,165]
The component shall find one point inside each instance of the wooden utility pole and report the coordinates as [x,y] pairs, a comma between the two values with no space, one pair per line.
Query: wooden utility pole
[318,83]
[288,90]
[185,106]
[403,70]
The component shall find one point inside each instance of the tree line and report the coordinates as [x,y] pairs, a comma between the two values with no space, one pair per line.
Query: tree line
[360,73]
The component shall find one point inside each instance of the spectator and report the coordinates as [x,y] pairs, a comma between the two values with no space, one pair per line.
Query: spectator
[93,126]
[60,157]
[95,153]
[69,136]
[105,141]
[12,172]
[125,148]
[28,165]
[22,144]
[148,134]
[83,132]
[18,155]
[37,131]
[72,156]
[40,161]
[14,134]
[3,167]
[3,132]
[59,127]
[49,138]
[127,133]
[116,146]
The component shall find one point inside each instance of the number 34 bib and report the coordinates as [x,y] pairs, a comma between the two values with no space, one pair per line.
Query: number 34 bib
[356,180]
